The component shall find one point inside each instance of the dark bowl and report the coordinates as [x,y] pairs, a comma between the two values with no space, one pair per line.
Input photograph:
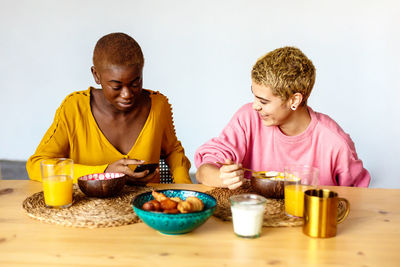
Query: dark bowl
[174,224]
[268,187]
[102,184]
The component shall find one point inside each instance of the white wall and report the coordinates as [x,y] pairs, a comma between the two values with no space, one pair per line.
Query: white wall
[199,53]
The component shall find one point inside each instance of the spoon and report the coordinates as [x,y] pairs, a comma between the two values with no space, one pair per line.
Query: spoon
[253,171]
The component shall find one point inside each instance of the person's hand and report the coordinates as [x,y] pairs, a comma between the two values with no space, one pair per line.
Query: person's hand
[231,174]
[144,177]
[139,178]
[122,166]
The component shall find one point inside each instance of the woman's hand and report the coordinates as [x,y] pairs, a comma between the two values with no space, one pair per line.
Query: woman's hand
[142,178]
[122,166]
[139,178]
[231,174]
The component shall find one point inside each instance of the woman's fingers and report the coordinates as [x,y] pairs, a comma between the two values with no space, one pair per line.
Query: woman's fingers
[142,177]
[131,161]
[236,185]
[233,183]
[228,161]
[230,167]
[232,175]
[229,181]
[147,176]
[122,165]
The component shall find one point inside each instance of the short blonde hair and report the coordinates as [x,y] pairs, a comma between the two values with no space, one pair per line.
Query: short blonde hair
[286,71]
[117,49]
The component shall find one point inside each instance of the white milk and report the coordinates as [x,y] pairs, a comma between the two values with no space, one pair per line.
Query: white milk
[247,216]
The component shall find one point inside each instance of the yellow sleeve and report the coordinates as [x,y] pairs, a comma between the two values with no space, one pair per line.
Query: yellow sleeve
[56,144]
[173,150]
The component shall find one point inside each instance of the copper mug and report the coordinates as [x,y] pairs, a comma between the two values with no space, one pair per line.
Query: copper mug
[321,214]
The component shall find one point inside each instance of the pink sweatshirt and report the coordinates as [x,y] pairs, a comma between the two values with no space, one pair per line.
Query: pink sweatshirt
[323,145]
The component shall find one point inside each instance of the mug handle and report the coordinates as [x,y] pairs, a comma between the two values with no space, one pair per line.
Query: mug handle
[343,213]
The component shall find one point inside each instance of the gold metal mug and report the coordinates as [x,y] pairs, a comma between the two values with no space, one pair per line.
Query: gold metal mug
[321,212]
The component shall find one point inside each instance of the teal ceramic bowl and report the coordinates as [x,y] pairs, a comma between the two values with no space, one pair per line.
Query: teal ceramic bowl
[174,224]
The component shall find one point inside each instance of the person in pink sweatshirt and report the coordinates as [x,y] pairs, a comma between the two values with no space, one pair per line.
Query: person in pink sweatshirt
[279,129]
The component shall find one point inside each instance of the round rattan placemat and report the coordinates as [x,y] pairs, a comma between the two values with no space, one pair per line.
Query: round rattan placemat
[274,215]
[87,212]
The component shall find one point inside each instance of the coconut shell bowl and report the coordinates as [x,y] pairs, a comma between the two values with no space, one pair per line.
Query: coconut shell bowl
[102,184]
[271,187]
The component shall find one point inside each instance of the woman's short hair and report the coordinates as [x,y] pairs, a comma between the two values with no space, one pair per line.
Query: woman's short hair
[117,49]
[286,71]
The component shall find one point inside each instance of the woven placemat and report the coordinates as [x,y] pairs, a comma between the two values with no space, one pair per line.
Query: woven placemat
[87,212]
[274,215]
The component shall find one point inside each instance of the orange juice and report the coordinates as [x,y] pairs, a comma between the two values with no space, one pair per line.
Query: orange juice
[57,190]
[294,199]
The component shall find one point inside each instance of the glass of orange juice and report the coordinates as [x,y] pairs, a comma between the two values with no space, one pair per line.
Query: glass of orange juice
[57,182]
[298,178]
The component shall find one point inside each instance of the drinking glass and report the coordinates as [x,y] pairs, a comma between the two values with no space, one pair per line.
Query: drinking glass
[298,178]
[57,182]
[247,214]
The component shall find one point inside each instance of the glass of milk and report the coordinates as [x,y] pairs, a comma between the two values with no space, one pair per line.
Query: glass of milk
[247,214]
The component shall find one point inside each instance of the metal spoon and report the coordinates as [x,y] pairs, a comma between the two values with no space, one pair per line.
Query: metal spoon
[261,173]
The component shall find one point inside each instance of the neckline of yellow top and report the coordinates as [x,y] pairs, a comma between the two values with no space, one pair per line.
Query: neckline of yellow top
[106,141]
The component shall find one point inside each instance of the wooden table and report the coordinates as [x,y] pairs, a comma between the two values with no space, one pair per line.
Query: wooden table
[370,236]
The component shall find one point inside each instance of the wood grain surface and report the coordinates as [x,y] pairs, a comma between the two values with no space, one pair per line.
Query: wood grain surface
[369,236]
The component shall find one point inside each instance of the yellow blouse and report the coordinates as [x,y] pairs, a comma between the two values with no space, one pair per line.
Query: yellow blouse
[75,134]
